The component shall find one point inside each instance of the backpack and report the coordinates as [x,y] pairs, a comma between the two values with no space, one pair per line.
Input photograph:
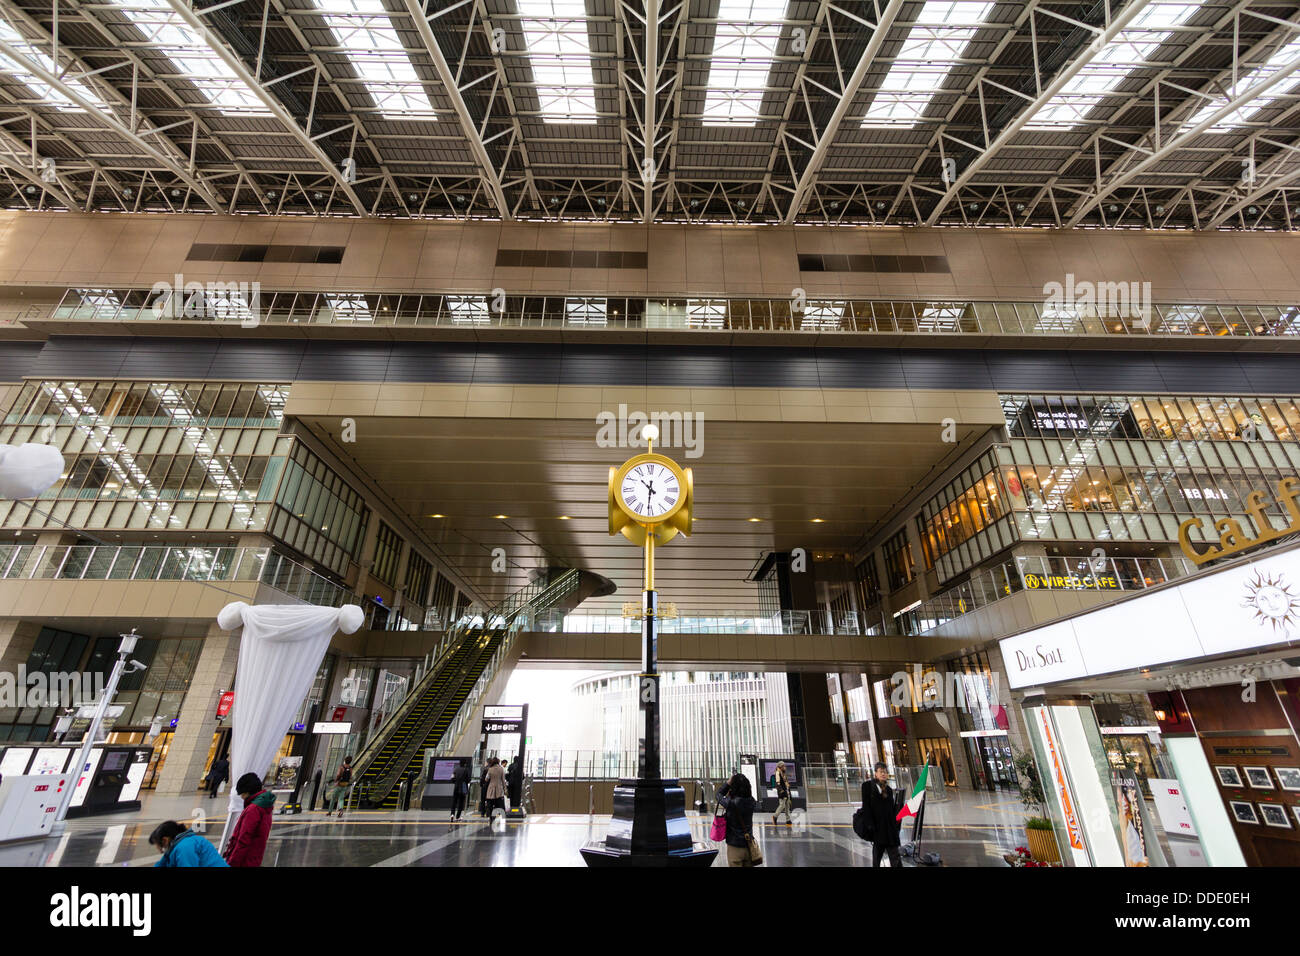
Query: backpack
[862,824]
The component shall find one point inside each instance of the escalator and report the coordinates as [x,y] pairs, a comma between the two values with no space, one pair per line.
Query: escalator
[424,718]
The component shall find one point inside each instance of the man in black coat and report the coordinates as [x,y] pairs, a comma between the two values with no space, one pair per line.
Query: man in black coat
[882,803]
[459,790]
[218,774]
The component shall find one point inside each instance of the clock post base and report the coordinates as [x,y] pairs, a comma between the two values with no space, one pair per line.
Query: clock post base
[649,828]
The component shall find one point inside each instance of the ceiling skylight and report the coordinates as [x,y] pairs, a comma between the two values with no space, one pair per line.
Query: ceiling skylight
[1132,48]
[942,31]
[365,31]
[47,94]
[191,55]
[1285,56]
[555,36]
[744,46]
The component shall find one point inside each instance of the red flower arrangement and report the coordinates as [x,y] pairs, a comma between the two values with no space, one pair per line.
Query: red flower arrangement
[1021,856]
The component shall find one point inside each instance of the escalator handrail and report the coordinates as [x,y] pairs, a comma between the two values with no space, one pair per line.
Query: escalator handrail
[544,595]
[386,779]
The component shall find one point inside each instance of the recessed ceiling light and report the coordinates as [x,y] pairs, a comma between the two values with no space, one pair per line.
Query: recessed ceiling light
[437,516]
[755,519]
[818,520]
[500,517]
[564,517]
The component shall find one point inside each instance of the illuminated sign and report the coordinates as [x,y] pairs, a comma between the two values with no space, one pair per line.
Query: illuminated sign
[1232,538]
[1072,582]
[332,727]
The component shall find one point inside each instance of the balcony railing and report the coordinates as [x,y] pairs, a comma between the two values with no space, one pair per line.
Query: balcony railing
[1041,573]
[162,563]
[862,316]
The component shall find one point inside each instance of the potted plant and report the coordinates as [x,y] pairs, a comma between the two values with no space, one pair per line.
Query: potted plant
[1039,832]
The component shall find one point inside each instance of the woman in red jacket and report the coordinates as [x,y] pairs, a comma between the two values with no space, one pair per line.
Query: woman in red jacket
[248,842]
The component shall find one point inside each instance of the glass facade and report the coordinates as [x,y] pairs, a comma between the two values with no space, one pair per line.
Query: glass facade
[900,567]
[388,554]
[152,456]
[318,513]
[869,592]
[54,652]
[418,574]
[968,521]
[156,692]
[1104,468]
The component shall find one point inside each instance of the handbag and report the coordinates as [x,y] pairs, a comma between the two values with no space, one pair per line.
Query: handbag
[755,852]
[718,830]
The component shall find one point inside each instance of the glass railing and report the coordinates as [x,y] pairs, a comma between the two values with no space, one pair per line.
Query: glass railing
[1040,573]
[162,563]
[953,317]
[612,621]
[823,778]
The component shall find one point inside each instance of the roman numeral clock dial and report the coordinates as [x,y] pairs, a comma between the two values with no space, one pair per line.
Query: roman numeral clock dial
[653,491]
[650,490]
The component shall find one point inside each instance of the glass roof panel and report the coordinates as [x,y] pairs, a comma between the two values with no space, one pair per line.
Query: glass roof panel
[364,29]
[942,30]
[48,95]
[1131,49]
[744,45]
[555,36]
[1285,56]
[192,57]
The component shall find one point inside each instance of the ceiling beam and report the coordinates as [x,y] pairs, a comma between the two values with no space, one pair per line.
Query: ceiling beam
[1012,129]
[649,173]
[1231,208]
[472,137]
[111,122]
[809,175]
[1175,143]
[9,159]
[192,19]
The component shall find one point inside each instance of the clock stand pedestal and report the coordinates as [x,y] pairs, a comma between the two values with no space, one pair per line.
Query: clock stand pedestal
[649,827]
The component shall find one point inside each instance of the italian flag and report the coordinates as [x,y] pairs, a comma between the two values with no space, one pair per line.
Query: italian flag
[918,794]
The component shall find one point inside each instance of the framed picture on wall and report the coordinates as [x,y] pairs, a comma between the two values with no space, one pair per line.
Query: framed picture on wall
[1243,812]
[1228,776]
[1296,809]
[1274,815]
[1259,778]
[1288,777]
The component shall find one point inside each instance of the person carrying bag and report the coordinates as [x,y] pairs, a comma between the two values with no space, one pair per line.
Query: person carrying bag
[736,797]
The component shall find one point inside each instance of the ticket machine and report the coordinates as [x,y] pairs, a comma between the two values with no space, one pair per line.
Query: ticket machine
[29,804]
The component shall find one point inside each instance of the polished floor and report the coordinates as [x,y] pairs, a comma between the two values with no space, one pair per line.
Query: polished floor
[968,829]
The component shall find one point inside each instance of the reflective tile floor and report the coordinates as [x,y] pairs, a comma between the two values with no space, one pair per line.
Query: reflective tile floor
[968,829]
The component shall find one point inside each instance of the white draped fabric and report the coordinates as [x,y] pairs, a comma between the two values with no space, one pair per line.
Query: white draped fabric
[280,651]
[28,469]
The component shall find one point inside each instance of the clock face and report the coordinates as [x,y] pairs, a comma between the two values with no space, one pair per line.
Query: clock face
[650,490]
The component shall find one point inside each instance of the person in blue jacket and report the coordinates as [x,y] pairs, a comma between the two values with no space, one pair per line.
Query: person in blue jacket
[182,847]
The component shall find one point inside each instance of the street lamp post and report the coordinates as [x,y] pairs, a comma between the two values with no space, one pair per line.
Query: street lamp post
[124,650]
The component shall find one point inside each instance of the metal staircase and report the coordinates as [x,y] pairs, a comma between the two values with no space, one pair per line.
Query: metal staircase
[474,649]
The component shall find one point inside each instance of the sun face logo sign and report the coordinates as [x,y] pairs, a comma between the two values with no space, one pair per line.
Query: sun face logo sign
[1273,602]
